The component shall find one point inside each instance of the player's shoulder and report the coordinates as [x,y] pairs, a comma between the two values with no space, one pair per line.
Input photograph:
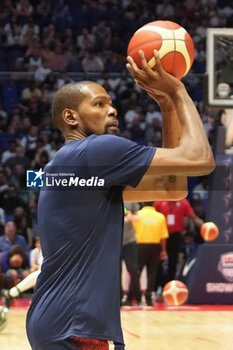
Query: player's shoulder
[109,144]
[108,139]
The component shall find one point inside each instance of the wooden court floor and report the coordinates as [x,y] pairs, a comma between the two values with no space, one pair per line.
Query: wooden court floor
[184,328]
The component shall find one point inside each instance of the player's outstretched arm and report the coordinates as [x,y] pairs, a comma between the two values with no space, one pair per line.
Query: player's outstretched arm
[162,187]
[192,156]
[178,122]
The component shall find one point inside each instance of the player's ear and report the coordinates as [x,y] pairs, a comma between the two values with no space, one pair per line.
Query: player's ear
[70,117]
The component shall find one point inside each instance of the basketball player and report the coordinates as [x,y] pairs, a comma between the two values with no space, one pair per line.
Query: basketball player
[76,303]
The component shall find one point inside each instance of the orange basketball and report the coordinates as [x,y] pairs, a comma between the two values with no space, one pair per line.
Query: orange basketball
[209,231]
[175,46]
[175,293]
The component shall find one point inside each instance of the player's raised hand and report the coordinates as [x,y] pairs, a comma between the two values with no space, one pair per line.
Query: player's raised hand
[153,81]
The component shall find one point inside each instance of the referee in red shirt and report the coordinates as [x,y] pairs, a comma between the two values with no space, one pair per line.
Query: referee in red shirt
[175,211]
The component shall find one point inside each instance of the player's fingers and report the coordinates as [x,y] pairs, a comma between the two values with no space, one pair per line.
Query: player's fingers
[145,66]
[132,64]
[158,63]
[128,66]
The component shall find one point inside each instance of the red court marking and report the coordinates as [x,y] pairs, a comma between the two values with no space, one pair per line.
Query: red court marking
[131,333]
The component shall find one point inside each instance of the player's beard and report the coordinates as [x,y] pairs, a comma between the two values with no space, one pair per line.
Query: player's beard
[107,131]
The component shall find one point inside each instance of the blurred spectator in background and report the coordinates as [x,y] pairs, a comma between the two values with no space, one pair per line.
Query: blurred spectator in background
[49,37]
[175,212]
[18,179]
[36,256]
[58,60]
[85,41]
[201,190]
[152,114]
[3,181]
[62,79]
[151,234]
[14,263]
[9,152]
[42,12]
[92,62]
[132,114]
[102,34]
[33,62]
[165,10]
[40,160]
[3,115]
[61,16]
[73,56]
[29,141]
[188,249]
[25,126]
[12,32]
[6,282]
[14,124]
[130,254]
[35,112]
[114,82]
[52,88]
[31,91]
[113,63]
[153,133]
[29,33]
[9,200]
[24,10]
[24,229]
[42,72]
[19,212]
[68,38]
[2,221]
[34,48]
[11,238]
[128,98]
[137,129]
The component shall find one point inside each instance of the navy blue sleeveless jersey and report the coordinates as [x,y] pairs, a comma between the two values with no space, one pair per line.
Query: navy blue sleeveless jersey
[78,290]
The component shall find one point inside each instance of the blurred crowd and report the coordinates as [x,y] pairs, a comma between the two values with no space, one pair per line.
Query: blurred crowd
[46,44]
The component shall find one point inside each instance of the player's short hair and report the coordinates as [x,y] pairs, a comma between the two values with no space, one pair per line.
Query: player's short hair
[68,96]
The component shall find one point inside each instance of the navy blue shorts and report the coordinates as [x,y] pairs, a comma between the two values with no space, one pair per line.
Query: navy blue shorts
[76,343]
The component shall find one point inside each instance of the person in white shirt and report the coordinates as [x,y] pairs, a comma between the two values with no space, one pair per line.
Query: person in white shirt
[42,72]
[131,115]
[152,114]
[9,152]
[92,62]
